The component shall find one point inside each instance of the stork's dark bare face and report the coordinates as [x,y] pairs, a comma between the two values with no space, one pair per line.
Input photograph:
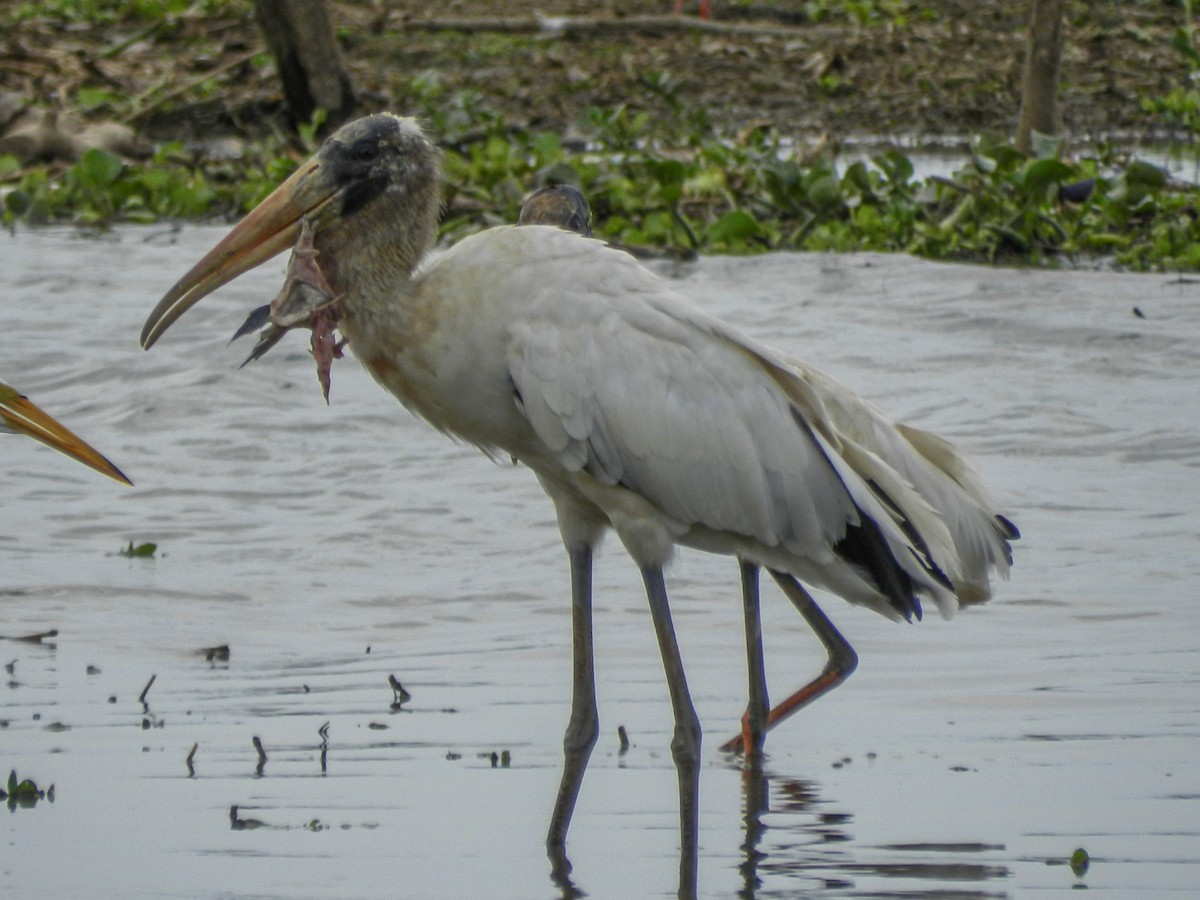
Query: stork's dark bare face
[354,170]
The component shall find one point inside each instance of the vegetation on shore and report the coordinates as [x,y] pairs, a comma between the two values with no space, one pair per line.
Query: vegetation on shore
[678,182]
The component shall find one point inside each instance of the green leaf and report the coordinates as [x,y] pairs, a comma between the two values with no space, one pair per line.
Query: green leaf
[1080,861]
[894,164]
[1045,146]
[93,98]
[17,202]
[99,168]
[140,551]
[1146,175]
[1042,174]
[548,148]
[825,192]
[1181,42]
[734,227]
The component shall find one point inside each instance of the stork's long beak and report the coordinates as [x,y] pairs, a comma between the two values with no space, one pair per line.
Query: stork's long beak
[268,230]
[23,417]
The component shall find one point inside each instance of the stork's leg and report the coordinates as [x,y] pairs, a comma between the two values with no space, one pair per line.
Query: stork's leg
[685,746]
[842,658]
[584,725]
[754,721]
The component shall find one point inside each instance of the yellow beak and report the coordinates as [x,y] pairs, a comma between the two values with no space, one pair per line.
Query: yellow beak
[18,414]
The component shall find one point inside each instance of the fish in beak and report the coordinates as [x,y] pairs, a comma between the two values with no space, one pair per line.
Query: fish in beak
[272,227]
[290,216]
[20,415]
[306,300]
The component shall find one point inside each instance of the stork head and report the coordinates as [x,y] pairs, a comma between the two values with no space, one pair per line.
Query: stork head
[558,204]
[375,181]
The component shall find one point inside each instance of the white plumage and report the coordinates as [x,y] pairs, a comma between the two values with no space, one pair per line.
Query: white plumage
[618,385]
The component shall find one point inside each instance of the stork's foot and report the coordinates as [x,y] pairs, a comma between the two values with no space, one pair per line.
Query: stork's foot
[744,742]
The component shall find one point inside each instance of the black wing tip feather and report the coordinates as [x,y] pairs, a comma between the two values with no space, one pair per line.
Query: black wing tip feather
[865,547]
[1007,528]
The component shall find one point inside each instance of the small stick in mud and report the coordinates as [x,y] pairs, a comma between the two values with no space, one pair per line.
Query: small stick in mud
[262,755]
[399,695]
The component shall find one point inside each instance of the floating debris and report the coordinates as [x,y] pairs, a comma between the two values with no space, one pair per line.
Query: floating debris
[220,653]
[237,823]
[623,737]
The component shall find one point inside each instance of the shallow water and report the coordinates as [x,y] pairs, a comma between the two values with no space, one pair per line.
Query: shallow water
[331,547]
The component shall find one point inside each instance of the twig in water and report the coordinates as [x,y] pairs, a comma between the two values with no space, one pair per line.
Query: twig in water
[323,731]
[145,691]
[191,756]
[37,638]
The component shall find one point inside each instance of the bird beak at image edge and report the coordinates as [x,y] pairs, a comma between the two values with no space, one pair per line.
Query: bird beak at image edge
[269,229]
[24,417]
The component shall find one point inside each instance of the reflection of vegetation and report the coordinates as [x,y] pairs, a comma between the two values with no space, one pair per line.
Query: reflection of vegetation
[24,793]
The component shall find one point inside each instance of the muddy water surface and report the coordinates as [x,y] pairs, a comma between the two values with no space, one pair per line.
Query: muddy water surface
[331,547]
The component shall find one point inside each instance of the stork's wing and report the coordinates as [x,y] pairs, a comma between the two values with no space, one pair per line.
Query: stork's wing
[640,389]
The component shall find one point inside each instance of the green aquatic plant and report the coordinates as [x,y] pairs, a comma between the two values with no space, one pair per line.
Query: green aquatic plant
[1080,861]
[677,187]
[140,551]
[24,793]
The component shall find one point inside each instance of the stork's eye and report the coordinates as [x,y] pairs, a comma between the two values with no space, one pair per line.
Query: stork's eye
[365,151]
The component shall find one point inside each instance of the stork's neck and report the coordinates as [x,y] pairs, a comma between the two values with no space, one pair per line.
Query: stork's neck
[369,259]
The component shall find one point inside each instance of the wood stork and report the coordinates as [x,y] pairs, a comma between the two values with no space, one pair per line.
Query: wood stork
[637,412]
[19,415]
